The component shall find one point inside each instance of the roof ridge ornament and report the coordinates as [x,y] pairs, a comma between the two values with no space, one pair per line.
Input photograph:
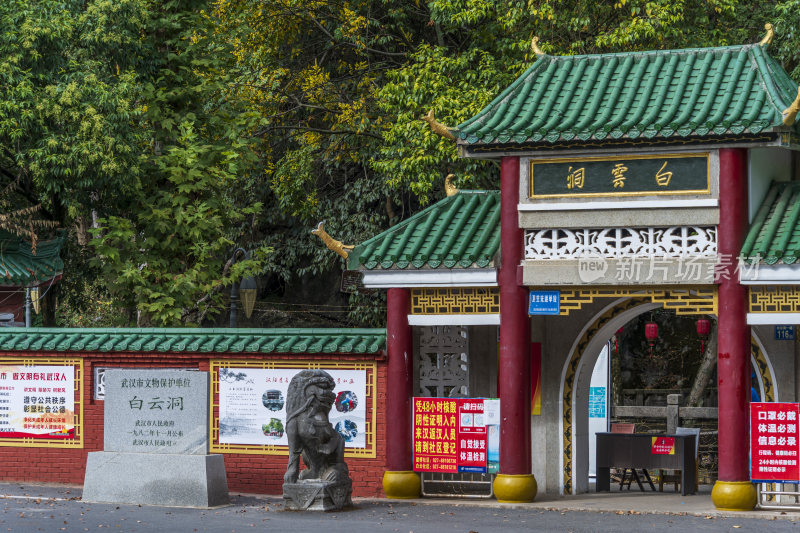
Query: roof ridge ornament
[449,186]
[768,37]
[437,127]
[790,113]
[330,242]
[535,46]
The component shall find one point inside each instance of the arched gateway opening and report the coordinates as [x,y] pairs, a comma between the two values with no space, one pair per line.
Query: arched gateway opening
[577,374]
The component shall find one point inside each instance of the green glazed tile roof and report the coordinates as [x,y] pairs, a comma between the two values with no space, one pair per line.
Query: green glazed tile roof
[774,235]
[656,95]
[19,265]
[461,231]
[176,340]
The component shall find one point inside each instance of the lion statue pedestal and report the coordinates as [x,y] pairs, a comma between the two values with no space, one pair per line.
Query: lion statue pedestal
[325,484]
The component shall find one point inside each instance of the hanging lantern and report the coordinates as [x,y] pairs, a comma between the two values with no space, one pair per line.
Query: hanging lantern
[703,329]
[651,334]
[616,339]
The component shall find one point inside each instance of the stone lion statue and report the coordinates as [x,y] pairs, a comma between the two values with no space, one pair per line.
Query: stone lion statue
[310,433]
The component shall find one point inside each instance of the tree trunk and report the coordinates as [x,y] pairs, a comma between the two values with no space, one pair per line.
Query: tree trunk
[705,371]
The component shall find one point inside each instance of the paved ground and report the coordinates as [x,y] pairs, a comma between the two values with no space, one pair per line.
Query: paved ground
[27,508]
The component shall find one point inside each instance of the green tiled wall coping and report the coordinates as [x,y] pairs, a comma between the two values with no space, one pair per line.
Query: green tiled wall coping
[204,340]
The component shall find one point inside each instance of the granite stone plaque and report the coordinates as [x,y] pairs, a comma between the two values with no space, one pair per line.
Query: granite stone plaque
[156,411]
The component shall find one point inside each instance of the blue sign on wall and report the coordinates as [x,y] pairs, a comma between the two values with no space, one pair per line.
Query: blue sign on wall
[784,333]
[544,303]
[597,402]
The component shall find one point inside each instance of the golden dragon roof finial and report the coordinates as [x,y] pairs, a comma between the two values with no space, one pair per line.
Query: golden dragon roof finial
[535,46]
[330,242]
[768,37]
[437,127]
[790,113]
[449,187]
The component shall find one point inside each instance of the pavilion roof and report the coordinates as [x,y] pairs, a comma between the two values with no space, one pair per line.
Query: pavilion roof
[460,231]
[655,95]
[20,266]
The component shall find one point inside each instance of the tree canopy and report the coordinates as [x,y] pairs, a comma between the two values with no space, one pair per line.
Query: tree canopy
[165,133]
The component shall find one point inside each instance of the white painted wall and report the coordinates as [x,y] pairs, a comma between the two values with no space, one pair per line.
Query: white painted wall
[598,404]
[766,165]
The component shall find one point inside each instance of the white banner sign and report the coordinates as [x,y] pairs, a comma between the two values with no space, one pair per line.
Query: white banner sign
[252,405]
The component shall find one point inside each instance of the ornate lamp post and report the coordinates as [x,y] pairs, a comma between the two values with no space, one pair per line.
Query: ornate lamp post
[247,287]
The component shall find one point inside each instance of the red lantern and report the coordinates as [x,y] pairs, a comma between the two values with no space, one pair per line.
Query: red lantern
[703,329]
[651,333]
[616,339]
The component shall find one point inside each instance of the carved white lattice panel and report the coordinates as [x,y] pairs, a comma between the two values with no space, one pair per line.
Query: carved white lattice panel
[443,362]
[676,241]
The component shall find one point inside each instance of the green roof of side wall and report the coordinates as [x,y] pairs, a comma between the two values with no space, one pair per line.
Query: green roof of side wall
[657,94]
[460,231]
[774,235]
[181,340]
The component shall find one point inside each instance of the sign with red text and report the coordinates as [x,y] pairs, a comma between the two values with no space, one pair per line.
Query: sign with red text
[663,446]
[436,435]
[456,435]
[773,441]
[37,402]
[471,436]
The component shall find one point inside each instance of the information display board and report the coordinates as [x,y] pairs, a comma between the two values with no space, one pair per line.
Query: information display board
[455,435]
[252,405]
[37,401]
[472,444]
[773,441]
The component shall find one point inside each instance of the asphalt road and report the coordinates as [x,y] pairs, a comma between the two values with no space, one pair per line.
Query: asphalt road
[29,509]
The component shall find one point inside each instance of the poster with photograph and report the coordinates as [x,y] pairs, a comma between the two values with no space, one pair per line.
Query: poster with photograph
[252,405]
[37,402]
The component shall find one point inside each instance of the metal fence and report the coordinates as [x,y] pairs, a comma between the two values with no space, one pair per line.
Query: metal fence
[779,496]
[464,485]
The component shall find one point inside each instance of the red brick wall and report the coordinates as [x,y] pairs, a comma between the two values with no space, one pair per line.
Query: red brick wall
[256,473]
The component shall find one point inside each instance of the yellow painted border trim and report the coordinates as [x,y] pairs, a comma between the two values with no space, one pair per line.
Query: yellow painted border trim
[763,368]
[77,442]
[533,162]
[371,367]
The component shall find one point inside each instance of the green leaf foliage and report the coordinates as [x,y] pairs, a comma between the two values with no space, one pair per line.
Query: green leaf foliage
[180,129]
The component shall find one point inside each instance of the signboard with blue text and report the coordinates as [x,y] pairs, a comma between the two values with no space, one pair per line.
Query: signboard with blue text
[784,333]
[597,402]
[544,303]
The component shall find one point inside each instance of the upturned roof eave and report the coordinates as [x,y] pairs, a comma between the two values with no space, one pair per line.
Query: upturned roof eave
[777,86]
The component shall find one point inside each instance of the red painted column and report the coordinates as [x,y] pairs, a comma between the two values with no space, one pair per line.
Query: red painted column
[514,356]
[399,385]
[733,356]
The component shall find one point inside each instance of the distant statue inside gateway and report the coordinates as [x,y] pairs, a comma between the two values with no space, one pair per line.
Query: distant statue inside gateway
[325,483]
